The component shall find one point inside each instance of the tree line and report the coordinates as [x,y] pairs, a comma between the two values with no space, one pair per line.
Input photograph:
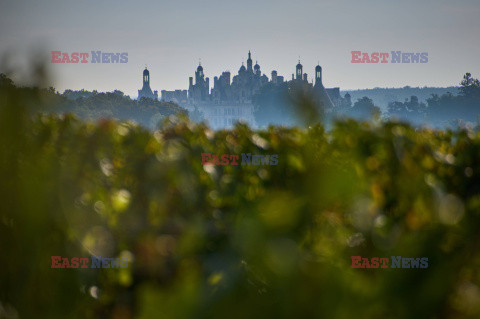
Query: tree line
[93,105]
[278,104]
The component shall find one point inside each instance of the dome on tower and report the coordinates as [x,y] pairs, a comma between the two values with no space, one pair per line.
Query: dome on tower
[200,68]
[242,69]
[145,72]
[299,65]
[256,67]
[318,68]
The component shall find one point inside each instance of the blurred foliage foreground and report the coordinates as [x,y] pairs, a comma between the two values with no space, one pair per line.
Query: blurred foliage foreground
[235,241]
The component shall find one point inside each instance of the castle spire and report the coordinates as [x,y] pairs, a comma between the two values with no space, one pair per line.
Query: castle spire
[249,62]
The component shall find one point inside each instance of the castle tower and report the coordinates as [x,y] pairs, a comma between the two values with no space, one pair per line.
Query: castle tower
[249,62]
[201,89]
[257,69]
[320,91]
[242,69]
[146,77]
[274,77]
[318,75]
[146,91]
[348,100]
[199,73]
[299,71]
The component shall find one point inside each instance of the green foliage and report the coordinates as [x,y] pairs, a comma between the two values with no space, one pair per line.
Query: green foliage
[235,241]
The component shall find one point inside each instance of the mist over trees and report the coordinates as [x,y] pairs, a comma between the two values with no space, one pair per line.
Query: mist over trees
[275,104]
[92,105]
[362,109]
[384,96]
[444,110]
[464,107]
[410,110]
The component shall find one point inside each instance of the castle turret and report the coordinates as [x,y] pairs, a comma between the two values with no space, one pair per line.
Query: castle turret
[274,77]
[347,100]
[146,91]
[201,89]
[199,73]
[249,62]
[320,91]
[299,70]
[257,69]
[318,75]
[242,69]
[146,78]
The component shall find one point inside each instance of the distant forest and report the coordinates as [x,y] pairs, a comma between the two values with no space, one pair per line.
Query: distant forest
[94,105]
[437,107]
[381,97]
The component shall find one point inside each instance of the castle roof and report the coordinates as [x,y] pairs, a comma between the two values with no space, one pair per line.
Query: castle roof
[323,96]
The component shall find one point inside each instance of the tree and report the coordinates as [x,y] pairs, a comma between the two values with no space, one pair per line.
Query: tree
[5,81]
[363,109]
[411,111]
[470,87]
[466,106]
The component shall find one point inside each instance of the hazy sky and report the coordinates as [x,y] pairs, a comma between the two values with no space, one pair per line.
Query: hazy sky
[171,36]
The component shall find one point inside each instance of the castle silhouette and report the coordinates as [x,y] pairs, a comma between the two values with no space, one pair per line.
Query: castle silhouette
[230,100]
